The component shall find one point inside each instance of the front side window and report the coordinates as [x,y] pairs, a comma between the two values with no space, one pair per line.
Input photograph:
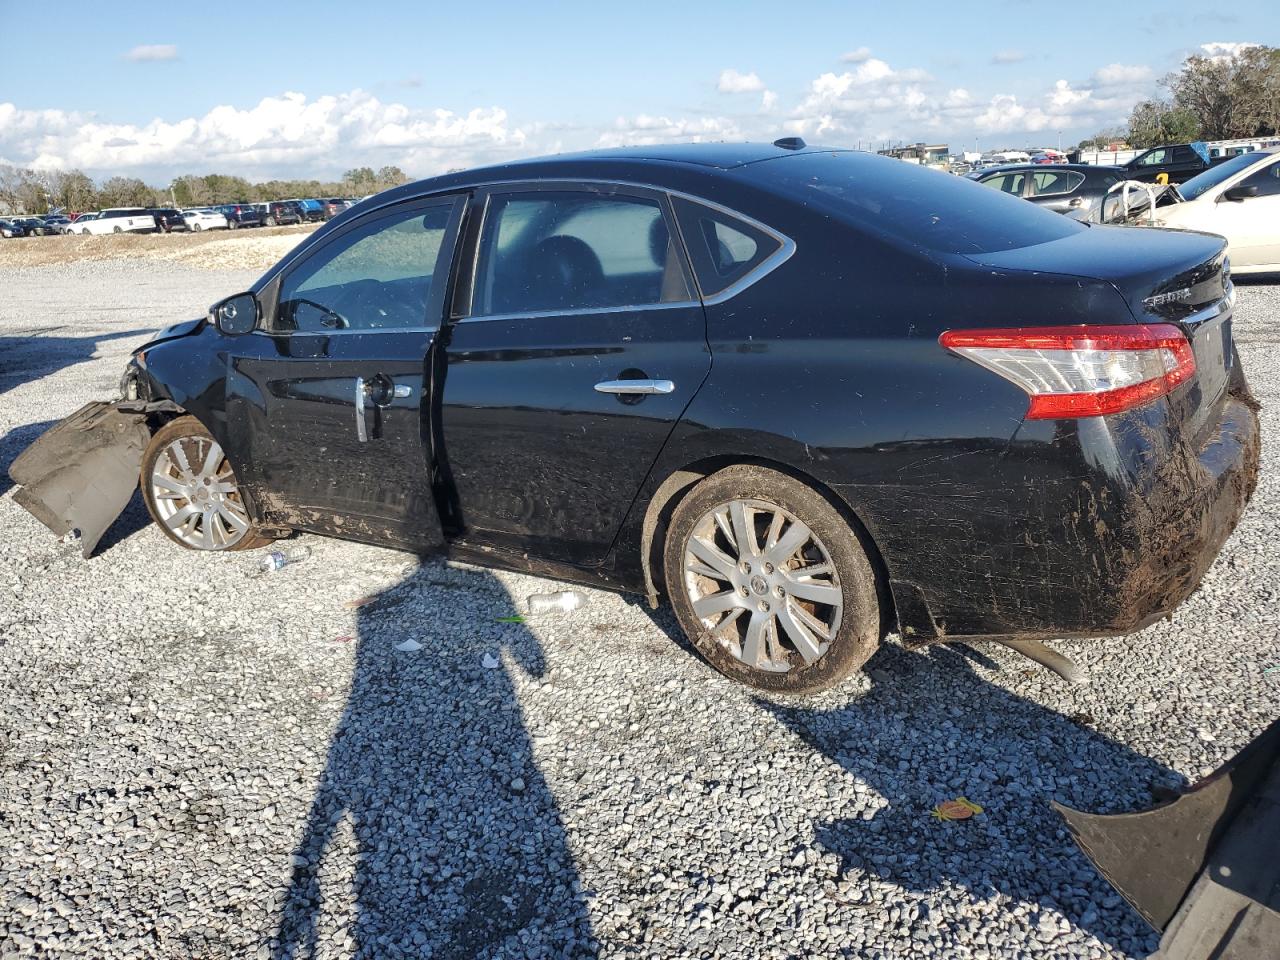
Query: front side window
[377,276]
[1006,183]
[550,251]
[1267,180]
[1154,158]
[1047,183]
[724,249]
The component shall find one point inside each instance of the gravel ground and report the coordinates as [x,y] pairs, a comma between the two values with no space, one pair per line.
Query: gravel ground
[198,764]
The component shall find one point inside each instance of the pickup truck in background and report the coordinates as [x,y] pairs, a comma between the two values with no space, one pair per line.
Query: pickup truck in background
[1181,161]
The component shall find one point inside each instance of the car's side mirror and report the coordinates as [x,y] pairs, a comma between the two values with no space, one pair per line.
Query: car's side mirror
[1236,194]
[235,315]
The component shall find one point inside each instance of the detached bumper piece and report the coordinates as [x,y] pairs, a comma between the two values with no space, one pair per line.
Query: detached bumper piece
[81,472]
[1205,869]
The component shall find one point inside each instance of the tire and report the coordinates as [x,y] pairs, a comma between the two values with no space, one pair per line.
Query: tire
[217,507]
[749,636]
[117,230]
[269,222]
[231,224]
[197,228]
[84,232]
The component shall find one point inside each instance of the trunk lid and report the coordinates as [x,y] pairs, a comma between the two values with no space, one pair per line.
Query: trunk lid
[1164,276]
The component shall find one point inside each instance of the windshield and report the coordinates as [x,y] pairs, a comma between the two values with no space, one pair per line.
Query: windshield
[922,207]
[1215,175]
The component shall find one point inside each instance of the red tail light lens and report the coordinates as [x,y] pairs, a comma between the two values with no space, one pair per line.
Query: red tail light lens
[1084,371]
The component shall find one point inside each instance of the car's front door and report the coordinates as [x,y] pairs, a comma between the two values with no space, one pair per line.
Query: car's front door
[1249,224]
[579,345]
[326,400]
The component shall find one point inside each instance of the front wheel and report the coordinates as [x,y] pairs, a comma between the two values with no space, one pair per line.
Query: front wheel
[231,224]
[191,490]
[770,582]
[197,228]
[270,222]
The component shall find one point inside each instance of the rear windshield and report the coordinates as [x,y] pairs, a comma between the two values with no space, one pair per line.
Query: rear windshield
[927,208]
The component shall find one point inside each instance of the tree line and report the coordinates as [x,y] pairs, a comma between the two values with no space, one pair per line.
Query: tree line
[39,191]
[1209,98]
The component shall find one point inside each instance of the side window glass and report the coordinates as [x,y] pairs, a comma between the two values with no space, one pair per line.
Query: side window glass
[1050,182]
[377,276]
[553,251]
[1267,181]
[1154,158]
[723,248]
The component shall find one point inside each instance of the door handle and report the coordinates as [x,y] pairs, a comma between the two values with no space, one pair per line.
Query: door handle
[635,386]
[362,434]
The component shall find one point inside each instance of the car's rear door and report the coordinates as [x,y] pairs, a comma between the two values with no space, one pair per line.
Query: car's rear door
[580,341]
[326,401]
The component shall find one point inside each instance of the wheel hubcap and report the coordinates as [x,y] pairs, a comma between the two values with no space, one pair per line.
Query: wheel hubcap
[763,584]
[196,495]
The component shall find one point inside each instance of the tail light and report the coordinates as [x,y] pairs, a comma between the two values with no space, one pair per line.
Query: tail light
[1083,371]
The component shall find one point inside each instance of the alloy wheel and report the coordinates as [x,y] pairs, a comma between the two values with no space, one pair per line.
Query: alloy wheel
[196,495]
[763,585]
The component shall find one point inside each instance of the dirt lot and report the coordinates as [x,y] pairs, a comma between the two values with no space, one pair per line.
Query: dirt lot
[247,249]
[198,764]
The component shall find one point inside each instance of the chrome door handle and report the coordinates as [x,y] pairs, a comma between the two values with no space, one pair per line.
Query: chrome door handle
[361,434]
[635,386]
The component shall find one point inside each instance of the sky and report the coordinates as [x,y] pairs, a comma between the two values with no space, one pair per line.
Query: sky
[294,90]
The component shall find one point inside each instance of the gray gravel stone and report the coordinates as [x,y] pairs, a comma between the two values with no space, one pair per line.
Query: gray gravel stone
[193,765]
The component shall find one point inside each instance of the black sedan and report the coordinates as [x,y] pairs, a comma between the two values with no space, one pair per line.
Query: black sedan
[809,396]
[1074,189]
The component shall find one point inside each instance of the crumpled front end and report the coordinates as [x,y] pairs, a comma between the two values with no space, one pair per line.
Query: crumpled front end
[81,473]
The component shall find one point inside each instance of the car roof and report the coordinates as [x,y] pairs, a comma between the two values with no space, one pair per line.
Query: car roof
[1082,167]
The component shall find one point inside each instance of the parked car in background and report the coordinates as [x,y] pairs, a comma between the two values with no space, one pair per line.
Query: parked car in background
[57,221]
[36,227]
[1179,162]
[168,220]
[11,230]
[279,212]
[117,220]
[651,361]
[1239,199]
[241,215]
[1075,189]
[312,211]
[76,221]
[334,206]
[205,219]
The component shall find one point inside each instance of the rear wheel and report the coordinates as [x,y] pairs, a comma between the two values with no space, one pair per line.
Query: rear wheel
[191,490]
[117,230]
[231,224]
[270,222]
[196,227]
[770,582]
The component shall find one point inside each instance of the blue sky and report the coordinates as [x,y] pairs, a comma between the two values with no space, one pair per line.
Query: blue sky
[161,89]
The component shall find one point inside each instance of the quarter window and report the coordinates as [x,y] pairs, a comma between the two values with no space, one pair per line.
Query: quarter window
[549,251]
[723,248]
[377,276]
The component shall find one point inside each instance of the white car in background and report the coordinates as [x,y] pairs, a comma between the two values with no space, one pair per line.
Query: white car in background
[204,219]
[117,220]
[1238,199]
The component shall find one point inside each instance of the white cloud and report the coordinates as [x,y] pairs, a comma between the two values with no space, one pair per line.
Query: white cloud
[731,81]
[1006,57]
[857,56]
[152,52]
[1116,74]
[289,135]
[768,100]
[1226,50]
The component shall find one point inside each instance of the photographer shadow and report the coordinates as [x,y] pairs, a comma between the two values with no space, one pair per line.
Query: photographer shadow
[998,750]
[432,789]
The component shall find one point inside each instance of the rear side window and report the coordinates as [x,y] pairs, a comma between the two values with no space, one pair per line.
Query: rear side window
[548,251]
[913,205]
[724,249]
[1006,183]
[1047,183]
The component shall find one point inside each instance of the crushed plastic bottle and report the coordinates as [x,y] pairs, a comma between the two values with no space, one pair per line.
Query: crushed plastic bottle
[562,601]
[273,561]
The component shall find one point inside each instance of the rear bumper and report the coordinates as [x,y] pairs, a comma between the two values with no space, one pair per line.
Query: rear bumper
[1094,527]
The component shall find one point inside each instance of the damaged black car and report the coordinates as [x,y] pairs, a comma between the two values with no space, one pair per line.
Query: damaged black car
[809,396]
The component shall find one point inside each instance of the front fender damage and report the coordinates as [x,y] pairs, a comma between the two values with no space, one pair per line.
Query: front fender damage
[81,473]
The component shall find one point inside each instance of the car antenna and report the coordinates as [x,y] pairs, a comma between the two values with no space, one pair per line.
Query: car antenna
[790,143]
